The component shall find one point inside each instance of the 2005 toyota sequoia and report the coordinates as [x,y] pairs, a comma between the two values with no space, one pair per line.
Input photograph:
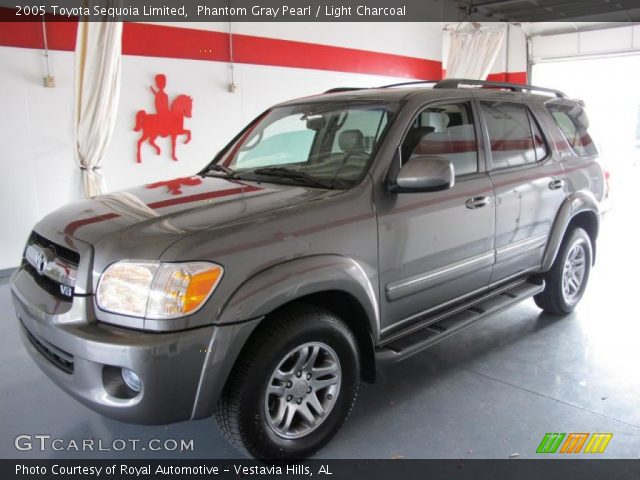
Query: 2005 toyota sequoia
[332,233]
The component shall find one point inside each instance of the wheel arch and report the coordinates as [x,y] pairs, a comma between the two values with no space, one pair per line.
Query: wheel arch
[349,309]
[336,283]
[578,210]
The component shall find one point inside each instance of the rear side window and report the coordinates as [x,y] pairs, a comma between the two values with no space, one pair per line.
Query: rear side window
[573,122]
[514,135]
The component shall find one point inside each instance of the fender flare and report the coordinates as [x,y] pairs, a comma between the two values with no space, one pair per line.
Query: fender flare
[293,279]
[578,202]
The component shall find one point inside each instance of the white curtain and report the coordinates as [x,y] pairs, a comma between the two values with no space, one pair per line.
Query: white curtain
[97,91]
[473,50]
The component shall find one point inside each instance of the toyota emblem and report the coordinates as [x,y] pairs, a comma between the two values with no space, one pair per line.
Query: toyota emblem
[42,261]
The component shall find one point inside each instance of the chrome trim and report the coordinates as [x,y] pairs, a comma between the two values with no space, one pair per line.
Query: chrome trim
[529,242]
[410,285]
[44,261]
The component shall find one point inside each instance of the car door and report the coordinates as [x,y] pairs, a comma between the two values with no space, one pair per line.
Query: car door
[436,247]
[529,185]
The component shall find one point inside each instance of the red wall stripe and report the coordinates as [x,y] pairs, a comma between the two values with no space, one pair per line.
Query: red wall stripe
[287,53]
[60,35]
[188,43]
[148,40]
[510,77]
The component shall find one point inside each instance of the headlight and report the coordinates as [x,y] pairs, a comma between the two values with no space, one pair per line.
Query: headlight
[157,290]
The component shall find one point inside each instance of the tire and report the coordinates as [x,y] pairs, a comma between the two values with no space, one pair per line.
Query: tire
[250,418]
[560,296]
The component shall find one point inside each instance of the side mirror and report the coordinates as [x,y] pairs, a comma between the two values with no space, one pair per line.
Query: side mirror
[424,174]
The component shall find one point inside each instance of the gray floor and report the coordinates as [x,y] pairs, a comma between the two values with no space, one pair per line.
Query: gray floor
[491,392]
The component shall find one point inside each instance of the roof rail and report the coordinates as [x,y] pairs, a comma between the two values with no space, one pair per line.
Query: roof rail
[514,87]
[344,89]
[415,82]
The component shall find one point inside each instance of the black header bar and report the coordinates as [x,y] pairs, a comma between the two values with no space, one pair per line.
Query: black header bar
[320,10]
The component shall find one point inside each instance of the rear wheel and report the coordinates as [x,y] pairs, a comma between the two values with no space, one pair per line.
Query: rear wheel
[293,386]
[568,277]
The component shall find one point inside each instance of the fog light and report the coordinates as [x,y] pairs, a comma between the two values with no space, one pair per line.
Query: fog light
[132,380]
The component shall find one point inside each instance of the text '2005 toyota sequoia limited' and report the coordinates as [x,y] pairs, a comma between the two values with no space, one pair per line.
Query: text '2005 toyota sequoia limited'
[334,232]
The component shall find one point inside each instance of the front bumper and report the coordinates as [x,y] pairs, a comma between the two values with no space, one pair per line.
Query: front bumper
[182,373]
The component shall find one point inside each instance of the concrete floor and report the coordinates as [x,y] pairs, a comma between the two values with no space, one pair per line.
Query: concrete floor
[490,392]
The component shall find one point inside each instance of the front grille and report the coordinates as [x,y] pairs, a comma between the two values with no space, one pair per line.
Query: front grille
[59,358]
[61,251]
[53,266]
[45,283]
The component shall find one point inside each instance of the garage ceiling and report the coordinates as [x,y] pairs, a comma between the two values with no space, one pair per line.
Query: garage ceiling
[554,10]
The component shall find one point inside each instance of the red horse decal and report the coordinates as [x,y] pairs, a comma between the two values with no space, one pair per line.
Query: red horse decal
[167,121]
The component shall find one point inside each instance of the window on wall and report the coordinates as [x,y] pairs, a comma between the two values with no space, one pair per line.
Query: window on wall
[514,136]
[445,131]
[573,122]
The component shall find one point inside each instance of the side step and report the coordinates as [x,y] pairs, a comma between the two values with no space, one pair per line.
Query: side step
[446,325]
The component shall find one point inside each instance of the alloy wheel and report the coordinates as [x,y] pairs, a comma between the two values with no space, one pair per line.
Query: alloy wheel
[303,390]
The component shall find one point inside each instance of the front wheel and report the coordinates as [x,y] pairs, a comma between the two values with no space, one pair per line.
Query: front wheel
[293,386]
[568,277]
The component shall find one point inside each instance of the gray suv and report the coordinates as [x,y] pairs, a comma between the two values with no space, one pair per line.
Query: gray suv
[333,233]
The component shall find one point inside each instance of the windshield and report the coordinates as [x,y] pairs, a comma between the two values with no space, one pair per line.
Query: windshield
[328,145]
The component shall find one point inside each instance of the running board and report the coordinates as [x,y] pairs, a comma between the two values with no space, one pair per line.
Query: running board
[446,325]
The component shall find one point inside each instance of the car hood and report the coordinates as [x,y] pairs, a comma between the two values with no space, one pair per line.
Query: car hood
[166,211]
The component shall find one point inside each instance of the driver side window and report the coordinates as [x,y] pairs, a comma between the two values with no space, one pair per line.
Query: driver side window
[445,131]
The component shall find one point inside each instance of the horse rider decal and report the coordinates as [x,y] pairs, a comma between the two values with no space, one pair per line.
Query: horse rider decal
[168,121]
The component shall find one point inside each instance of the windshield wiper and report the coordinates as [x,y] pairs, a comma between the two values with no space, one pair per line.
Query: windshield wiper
[283,172]
[218,167]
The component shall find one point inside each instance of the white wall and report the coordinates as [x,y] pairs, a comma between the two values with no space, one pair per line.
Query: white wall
[36,154]
[36,160]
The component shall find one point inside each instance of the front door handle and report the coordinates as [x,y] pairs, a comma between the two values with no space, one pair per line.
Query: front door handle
[556,184]
[477,202]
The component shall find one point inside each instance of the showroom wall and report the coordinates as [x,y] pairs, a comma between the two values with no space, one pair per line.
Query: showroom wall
[273,62]
[38,170]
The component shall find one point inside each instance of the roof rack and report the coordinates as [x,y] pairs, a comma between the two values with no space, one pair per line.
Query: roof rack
[415,82]
[456,82]
[514,87]
[344,89]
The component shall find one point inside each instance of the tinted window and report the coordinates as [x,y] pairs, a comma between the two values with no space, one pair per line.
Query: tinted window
[510,134]
[574,123]
[541,147]
[444,131]
[329,142]
[369,122]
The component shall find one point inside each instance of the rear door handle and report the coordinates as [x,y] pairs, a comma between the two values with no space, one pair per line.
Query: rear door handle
[477,202]
[556,184]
